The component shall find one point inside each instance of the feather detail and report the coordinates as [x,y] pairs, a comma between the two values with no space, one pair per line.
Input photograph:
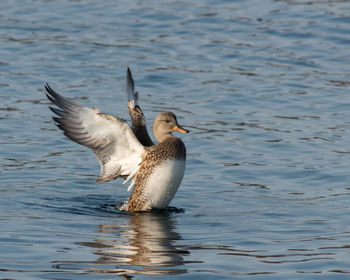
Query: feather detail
[111,139]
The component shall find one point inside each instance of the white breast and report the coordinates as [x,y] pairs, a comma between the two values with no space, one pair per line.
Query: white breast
[164,182]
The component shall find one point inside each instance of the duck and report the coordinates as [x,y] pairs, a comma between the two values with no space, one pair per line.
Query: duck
[154,171]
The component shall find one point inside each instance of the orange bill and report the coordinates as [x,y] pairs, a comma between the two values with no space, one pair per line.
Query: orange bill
[180,129]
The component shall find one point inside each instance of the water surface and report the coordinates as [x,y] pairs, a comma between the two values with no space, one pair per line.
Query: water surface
[262,85]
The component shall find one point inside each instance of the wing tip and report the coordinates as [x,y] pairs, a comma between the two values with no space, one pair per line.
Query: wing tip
[128,71]
[49,90]
[51,94]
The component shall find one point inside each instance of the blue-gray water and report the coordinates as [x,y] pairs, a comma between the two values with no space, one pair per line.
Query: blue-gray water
[264,87]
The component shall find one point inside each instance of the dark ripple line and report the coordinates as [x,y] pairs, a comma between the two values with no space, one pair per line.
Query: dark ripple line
[297,261]
[234,273]
[278,255]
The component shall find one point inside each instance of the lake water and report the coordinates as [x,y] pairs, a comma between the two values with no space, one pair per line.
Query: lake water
[264,87]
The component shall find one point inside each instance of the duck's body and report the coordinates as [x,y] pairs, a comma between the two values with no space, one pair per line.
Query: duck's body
[160,175]
[155,170]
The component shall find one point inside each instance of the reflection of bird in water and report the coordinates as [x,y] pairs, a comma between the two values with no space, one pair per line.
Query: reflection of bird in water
[147,242]
[155,171]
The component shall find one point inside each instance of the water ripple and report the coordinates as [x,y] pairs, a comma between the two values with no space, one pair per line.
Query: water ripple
[263,89]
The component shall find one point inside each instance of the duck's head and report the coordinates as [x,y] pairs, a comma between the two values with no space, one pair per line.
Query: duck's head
[164,124]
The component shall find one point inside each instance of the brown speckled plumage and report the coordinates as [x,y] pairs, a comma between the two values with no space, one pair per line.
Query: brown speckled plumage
[171,147]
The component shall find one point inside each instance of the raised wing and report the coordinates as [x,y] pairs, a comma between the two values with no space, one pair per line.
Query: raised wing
[111,139]
[133,96]
[137,118]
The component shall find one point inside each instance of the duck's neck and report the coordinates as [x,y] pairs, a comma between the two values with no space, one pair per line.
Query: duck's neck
[160,137]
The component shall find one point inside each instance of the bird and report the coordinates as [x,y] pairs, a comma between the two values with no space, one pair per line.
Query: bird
[154,171]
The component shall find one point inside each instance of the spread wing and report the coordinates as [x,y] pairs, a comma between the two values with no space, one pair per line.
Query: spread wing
[137,118]
[111,139]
